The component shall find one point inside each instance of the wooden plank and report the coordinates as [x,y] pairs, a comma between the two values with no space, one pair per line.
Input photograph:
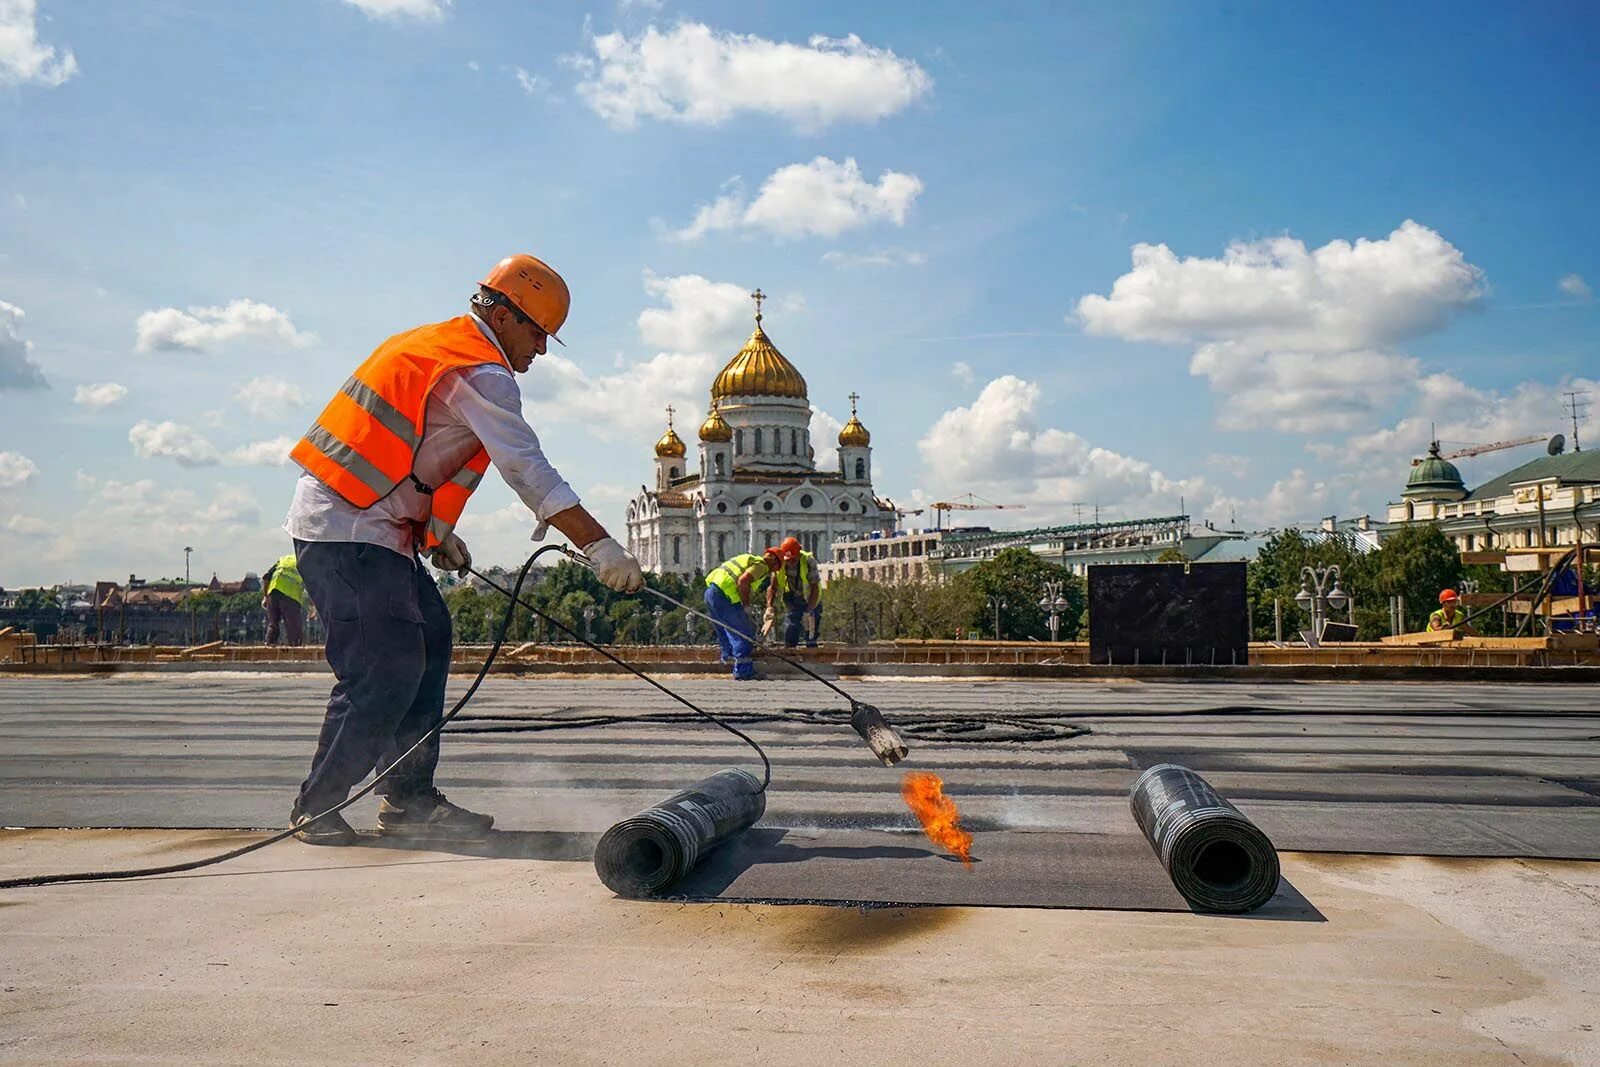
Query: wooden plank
[1424,637]
[1485,557]
[1561,605]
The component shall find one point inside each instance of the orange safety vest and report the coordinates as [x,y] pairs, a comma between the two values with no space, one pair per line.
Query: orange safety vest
[364,443]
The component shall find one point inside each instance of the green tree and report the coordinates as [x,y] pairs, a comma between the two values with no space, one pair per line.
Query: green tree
[1017,576]
[1275,575]
[1415,562]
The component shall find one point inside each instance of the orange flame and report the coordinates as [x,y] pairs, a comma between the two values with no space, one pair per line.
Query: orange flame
[924,795]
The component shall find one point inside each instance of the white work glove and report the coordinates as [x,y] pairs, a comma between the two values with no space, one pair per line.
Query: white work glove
[615,565]
[451,555]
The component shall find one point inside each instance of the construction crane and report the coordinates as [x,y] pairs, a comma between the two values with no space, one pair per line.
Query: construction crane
[944,507]
[1495,446]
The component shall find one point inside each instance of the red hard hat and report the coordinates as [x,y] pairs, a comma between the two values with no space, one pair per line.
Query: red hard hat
[1447,596]
[790,548]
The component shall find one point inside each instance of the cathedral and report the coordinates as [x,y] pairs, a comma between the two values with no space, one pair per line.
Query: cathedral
[757,481]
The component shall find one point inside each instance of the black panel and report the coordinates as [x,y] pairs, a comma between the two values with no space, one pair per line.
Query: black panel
[1172,613]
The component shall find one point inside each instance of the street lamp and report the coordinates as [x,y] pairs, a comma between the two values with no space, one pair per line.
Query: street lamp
[1054,604]
[588,620]
[995,604]
[657,614]
[1316,598]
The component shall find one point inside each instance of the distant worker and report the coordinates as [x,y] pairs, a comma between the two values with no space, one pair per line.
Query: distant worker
[284,598]
[730,590]
[1449,616]
[389,465]
[801,587]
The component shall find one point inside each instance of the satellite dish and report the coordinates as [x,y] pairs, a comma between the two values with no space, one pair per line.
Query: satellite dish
[1557,445]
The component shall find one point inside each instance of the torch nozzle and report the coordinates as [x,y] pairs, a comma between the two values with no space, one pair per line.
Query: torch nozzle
[877,733]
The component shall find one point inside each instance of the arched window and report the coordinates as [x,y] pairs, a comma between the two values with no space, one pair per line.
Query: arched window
[794,442]
[738,442]
[672,472]
[722,547]
[677,549]
[719,464]
[758,440]
[861,470]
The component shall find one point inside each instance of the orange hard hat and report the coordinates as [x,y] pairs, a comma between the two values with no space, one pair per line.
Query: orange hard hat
[534,289]
[1447,596]
[790,549]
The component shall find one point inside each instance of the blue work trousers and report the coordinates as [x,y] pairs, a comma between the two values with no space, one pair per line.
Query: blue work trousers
[733,636]
[389,639]
[794,626]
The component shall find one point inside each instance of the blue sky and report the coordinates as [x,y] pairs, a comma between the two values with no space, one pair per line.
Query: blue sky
[929,195]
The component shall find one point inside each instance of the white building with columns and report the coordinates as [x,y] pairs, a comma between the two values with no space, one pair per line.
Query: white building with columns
[756,481]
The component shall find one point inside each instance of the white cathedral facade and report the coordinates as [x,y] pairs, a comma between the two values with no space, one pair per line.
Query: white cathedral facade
[757,481]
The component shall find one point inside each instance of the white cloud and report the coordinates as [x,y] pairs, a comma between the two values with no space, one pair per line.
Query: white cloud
[1296,339]
[17,368]
[266,397]
[270,453]
[825,440]
[699,330]
[877,257]
[22,58]
[531,84]
[171,440]
[100,395]
[425,10]
[30,527]
[200,328]
[700,316]
[141,527]
[1461,415]
[997,445]
[1302,392]
[693,74]
[1574,286]
[822,198]
[1298,498]
[16,470]
[962,372]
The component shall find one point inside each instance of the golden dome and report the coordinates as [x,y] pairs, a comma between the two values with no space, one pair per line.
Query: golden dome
[759,369]
[670,444]
[854,435]
[716,429]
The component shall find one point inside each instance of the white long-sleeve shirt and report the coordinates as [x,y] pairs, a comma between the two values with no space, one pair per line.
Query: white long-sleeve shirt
[472,406]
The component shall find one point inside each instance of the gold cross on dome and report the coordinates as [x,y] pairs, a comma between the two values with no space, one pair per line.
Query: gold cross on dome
[853,398]
[758,296]
[669,416]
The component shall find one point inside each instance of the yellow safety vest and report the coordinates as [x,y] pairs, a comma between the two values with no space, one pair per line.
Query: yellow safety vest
[286,580]
[726,577]
[1438,620]
[807,568]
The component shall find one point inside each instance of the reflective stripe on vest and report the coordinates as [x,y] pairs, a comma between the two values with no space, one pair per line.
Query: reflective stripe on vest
[286,580]
[807,563]
[726,577]
[450,499]
[1439,621]
[364,443]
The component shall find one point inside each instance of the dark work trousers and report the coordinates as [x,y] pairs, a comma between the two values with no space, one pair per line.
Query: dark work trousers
[795,623]
[286,618]
[389,647]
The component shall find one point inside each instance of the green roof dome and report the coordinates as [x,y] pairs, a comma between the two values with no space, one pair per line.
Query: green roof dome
[1435,478]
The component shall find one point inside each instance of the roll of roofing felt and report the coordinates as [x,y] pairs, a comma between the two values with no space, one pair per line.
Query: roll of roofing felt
[1218,859]
[648,853]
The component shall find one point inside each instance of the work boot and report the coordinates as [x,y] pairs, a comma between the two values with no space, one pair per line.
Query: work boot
[328,830]
[429,814]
